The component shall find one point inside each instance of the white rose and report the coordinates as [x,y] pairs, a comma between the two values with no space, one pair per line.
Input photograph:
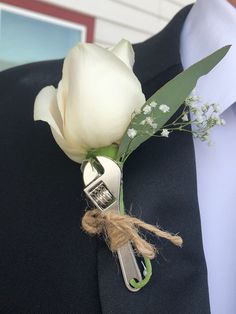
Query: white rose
[94,101]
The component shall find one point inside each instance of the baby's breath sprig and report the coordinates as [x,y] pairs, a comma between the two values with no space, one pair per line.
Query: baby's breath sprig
[200,118]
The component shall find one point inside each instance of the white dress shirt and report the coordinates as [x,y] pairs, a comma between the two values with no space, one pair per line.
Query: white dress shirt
[210,25]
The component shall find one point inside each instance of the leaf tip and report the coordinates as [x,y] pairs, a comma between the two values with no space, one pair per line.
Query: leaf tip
[226,48]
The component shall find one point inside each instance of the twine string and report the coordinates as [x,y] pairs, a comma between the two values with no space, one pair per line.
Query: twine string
[119,229]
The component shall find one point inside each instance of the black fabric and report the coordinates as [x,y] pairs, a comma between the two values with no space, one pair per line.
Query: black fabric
[48,265]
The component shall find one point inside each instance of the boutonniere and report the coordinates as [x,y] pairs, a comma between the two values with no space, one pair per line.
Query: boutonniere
[98,116]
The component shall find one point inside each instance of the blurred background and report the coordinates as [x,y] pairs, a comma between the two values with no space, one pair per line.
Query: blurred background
[32,30]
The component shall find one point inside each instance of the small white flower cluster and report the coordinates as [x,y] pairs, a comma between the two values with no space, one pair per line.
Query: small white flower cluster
[192,99]
[148,108]
[131,133]
[202,118]
[165,133]
[164,108]
[149,121]
[153,104]
[185,117]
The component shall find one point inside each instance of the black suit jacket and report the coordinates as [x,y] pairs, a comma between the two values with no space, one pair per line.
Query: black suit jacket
[47,264]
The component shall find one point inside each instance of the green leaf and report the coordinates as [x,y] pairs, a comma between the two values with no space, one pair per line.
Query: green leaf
[172,94]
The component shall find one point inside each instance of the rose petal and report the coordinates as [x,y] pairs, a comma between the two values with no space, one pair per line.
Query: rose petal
[124,51]
[61,100]
[45,109]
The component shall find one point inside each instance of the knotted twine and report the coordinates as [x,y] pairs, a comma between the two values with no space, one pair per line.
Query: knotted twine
[119,229]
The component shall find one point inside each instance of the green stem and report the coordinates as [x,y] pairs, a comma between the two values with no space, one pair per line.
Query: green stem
[145,280]
[122,205]
[111,152]
[108,151]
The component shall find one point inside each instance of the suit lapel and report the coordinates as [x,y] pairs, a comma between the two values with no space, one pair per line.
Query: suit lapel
[160,186]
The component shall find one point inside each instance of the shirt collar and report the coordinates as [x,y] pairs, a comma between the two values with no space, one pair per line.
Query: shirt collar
[209,26]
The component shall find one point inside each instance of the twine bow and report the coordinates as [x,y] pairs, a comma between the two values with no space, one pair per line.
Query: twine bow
[119,229]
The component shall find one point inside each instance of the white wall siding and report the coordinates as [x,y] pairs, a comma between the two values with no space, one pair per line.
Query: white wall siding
[149,6]
[108,32]
[169,9]
[135,20]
